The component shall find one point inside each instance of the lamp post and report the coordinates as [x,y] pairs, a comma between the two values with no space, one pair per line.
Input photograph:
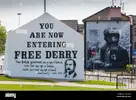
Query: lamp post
[19,14]
[44,6]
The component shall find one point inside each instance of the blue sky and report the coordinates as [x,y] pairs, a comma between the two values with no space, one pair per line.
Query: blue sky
[61,9]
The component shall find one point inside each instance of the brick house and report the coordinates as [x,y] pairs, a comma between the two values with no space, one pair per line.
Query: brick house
[74,25]
[134,35]
[108,14]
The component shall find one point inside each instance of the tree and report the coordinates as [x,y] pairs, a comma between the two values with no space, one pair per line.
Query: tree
[2,38]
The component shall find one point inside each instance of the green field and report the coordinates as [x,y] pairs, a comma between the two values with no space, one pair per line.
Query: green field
[4,78]
[49,88]
[91,82]
[99,83]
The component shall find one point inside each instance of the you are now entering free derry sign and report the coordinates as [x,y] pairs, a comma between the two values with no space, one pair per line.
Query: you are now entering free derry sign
[45,48]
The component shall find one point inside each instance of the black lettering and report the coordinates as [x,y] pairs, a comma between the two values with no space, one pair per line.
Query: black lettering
[58,44]
[37,35]
[64,44]
[43,35]
[55,35]
[32,35]
[49,44]
[68,54]
[53,44]
[44,44]
[17,53]
[61,34]
[38,55]
[34,44]
[24,55]
[54,53]
[61,54]
[47,26]
[48,54]
[28,44]
[74,53]
[41,25]
[30,55]
[51,25]
[50,35]
[39,43]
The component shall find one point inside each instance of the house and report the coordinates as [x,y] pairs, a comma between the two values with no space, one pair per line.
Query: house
[71,23]
[134,35]
[74,25]
[108,13]
[134,30]
[94,27]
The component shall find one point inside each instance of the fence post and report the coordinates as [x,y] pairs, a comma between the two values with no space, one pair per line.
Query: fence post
[85,77]
[117,82]
[131,76]
[131,79]
[98,77]
[110,76]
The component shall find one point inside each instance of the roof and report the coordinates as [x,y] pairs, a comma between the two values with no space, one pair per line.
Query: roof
[105,14]
[71,23]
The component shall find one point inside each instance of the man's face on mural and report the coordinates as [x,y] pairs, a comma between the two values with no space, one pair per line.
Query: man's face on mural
[112,39]
[69,65]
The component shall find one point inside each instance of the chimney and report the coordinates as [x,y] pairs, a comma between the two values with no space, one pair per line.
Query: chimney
[115,12]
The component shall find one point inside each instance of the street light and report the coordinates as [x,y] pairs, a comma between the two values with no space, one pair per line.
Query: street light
[44,6]
[19,14]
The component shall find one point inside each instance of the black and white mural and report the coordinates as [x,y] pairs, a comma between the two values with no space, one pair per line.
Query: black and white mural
[45,48]
[107,45]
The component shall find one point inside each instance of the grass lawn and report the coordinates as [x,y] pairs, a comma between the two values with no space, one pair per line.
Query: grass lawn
[4,78]
[49,88]
[99,83]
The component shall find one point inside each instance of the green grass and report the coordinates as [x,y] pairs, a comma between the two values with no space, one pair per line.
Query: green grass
[49,88]
[99,83]
[4,78]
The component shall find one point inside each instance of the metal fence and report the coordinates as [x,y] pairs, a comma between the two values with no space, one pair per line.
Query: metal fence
[122,81]
[128,80]
[99,77]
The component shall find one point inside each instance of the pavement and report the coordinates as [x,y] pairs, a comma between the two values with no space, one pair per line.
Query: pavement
[58,84]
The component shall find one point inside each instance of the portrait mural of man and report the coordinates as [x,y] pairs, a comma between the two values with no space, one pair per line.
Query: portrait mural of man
[70,66]
[108,46]
[112,54]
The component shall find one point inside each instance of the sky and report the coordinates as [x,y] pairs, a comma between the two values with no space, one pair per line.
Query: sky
[60,9]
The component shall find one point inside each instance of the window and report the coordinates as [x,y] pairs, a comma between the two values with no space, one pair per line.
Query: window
[135,45]
[135,33]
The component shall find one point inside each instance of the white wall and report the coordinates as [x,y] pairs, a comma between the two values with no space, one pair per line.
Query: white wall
[17,42]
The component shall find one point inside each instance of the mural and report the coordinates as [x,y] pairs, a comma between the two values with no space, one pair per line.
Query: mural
[107,45]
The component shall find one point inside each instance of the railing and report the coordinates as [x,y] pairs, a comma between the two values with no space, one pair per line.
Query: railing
[121,80]
[129,80]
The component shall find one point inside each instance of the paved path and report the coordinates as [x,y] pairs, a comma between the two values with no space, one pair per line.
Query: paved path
[57,83]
